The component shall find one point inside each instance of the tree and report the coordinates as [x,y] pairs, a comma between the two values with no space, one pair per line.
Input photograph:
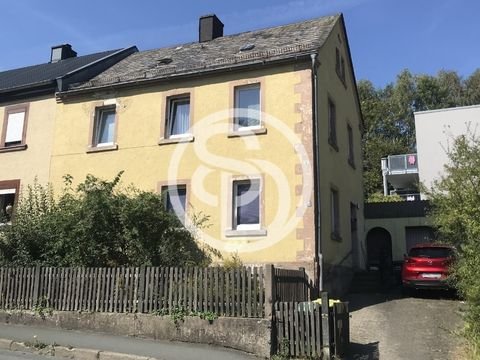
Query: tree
[97,224]
[455,210]
[388,114]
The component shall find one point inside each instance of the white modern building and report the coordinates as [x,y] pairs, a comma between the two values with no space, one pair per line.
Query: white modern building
[435,133]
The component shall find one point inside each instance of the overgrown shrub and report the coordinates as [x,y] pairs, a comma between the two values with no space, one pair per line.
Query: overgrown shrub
[98,224]
[456,212]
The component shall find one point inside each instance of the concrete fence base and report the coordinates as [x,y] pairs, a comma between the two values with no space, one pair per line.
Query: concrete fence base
[248,335]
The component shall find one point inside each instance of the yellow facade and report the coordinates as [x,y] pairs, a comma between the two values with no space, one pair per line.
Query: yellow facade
[34,161]
[209,162]
[336,171]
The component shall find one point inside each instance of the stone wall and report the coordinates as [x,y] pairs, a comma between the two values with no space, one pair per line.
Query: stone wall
[249,335]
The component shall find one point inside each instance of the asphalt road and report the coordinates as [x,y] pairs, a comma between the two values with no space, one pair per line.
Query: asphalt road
[16,355]
[393,327]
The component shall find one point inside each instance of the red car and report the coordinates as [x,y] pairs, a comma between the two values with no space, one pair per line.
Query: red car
[427,266]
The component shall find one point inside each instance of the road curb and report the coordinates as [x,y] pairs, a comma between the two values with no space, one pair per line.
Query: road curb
[64,352]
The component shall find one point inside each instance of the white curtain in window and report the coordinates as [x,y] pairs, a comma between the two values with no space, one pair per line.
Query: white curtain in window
[107,127]
[15,127]
[180,117]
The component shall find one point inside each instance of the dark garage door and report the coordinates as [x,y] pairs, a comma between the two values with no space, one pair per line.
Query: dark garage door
[418,235]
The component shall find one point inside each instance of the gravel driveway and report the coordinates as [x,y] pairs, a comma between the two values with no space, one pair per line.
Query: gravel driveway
[392,327]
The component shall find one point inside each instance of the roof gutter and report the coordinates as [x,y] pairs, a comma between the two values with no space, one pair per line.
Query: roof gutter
[234,67]
[318,257]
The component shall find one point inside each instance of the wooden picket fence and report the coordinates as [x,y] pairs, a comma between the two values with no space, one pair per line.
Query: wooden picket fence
[312,330]
[292,285]
[239,292]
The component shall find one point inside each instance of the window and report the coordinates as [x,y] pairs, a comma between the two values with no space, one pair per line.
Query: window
[247,107]
[351,154]
[335,214]
[14,127]
[175,200]
[246,204]
[178,117]
[332,124]
[8,197]
[340,65]
[104,127]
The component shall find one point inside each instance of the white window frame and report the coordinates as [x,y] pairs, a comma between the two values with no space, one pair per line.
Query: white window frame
[236,94]
[170,101]
[99,111]
[236,225]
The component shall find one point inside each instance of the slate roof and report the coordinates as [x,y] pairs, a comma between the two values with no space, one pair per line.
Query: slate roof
[270,44]
[45,73]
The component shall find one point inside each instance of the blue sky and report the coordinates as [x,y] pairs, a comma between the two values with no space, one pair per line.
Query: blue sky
[385,36]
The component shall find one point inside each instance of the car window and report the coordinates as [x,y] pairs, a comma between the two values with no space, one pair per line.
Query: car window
[431,252]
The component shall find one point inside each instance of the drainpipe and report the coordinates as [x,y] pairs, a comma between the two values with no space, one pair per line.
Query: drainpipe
[316,177]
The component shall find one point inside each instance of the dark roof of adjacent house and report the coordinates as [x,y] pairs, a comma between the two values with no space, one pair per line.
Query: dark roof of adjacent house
[253,47]
[46,73]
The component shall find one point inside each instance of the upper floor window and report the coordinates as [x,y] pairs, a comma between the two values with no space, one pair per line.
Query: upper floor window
[104,127]
[332,124]
[175,200]
[335,214]
[178,117]
[247,107]
[351,154]
[340,65]
[14,127]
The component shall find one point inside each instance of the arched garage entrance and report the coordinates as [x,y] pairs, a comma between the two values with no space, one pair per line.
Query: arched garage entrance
[379,249]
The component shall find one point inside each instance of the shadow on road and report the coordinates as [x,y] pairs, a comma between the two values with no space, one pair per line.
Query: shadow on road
[363,351]
[357,301]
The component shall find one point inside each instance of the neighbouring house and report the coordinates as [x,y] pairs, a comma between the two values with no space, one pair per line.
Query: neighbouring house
[27,113]
[261,131]
[393,228]
[435,131]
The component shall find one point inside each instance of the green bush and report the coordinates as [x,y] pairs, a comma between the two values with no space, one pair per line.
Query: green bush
[455,210]
[98,224]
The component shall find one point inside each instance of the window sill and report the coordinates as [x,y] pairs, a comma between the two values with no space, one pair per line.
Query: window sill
[13,148]
[95,149]
[336,236]
[176,140]
[247,132]
[245,233]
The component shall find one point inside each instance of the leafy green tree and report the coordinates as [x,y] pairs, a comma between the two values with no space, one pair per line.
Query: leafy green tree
[455,211]
[98,224]
[388,114]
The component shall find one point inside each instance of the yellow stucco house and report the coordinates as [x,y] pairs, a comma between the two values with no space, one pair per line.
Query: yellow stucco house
[27,115]
[261,131]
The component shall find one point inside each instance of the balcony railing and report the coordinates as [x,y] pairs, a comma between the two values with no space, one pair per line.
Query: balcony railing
[400,164]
